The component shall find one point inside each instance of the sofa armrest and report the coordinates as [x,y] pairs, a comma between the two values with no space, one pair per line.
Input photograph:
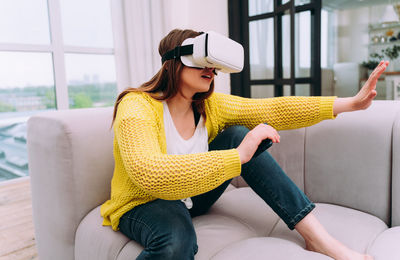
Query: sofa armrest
[71,165]
[396,173]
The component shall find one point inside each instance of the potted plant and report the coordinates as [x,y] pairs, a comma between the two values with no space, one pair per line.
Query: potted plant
[392,53]
[372,62]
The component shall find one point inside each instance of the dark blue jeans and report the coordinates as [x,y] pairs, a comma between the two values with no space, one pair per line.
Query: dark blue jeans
[165,229]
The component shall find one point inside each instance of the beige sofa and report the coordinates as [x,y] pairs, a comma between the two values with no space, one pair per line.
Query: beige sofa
[349,166]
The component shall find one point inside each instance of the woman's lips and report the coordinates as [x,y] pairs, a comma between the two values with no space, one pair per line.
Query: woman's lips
[207,76]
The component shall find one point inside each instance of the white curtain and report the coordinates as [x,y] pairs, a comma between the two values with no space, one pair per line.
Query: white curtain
[145,25]
[261,41]
[146,22]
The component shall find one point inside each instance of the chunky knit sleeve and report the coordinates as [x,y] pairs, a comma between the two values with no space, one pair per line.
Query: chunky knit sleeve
[282,113]
[170,177]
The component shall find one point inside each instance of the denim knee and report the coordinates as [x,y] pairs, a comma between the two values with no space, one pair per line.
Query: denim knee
[180,244]
[236,133]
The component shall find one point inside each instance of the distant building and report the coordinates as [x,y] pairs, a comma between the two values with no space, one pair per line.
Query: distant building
[13,153]
[23,103]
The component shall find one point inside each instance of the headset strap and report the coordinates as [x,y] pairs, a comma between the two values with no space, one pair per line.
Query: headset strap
[177,52]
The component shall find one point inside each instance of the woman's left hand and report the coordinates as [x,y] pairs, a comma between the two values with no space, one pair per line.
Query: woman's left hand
[367,93]
[364,97]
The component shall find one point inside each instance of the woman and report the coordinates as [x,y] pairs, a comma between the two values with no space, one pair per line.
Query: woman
[173,161]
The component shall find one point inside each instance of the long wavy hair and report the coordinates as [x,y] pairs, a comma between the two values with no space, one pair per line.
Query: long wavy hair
[166,80]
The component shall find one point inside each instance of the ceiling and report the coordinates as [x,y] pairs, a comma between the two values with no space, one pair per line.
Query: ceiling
[348,4]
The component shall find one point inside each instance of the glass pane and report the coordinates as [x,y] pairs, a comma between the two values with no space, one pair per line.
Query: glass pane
[91,80]
[26,87]
[303,44]
[286,45]
[260,7]
[286,90]
[262,91]
[285,1]
[302,90]
[261,35]
[87,23]
[302,2]
[24,21]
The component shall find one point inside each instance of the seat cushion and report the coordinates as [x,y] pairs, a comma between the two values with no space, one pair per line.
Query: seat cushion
[244,205]
[240,225]
[262,248]
[386,246]
[214,232]
[354,228]
[94,241]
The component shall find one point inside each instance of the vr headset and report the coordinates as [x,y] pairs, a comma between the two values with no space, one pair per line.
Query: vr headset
[211,50]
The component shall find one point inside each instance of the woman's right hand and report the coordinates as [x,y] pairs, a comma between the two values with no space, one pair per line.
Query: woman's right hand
[252,140]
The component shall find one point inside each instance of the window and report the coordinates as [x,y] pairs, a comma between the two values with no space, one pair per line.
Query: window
[282,46]
[55,54]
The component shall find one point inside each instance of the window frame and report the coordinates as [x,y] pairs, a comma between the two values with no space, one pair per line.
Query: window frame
[239,20]
[58,49]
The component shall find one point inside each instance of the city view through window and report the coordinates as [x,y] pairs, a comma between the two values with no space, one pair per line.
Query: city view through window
[19,103]
[50,50]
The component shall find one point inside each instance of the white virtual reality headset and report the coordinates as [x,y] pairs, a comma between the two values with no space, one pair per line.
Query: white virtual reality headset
[209,50]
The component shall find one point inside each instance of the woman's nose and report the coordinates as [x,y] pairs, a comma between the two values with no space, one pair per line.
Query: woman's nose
[211,70]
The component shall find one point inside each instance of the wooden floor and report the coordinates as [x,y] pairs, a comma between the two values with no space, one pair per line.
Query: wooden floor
[17,240]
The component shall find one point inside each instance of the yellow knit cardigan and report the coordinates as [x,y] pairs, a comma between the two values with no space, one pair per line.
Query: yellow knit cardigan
[144,172]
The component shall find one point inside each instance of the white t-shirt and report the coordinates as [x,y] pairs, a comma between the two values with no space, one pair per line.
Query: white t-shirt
[198,143]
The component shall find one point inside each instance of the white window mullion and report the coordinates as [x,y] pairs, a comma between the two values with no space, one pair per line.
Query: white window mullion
[25,47]
[88,50]
[58,54]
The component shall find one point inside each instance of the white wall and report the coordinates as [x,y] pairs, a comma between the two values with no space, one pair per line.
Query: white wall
[352,32]
[352,38]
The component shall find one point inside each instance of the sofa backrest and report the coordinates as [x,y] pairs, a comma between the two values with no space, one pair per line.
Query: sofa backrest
[396,172]
[348,161]
[352,161]
[71,166]
[289,153]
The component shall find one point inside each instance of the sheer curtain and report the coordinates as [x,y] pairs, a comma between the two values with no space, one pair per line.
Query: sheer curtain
[146,22]
[261,41]
[145,25]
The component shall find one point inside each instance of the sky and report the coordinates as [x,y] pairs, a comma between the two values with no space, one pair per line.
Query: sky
[27,22]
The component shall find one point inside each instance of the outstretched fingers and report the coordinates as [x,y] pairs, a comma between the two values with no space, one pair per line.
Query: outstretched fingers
[379,70]
[373,78]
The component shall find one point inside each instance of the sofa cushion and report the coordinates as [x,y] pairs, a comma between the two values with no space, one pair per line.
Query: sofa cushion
[348,161]
[230,228]
[244,205]
[214,232]
[353,228]
[94,241]
[386,246]
[262,248]
[291,160]
[396,173]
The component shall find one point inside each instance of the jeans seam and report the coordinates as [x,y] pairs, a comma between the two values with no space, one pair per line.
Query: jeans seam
[141,222]
[273,196]
[292,221]
[301,215]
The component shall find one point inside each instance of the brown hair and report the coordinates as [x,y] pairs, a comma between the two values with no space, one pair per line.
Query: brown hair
[166,80]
